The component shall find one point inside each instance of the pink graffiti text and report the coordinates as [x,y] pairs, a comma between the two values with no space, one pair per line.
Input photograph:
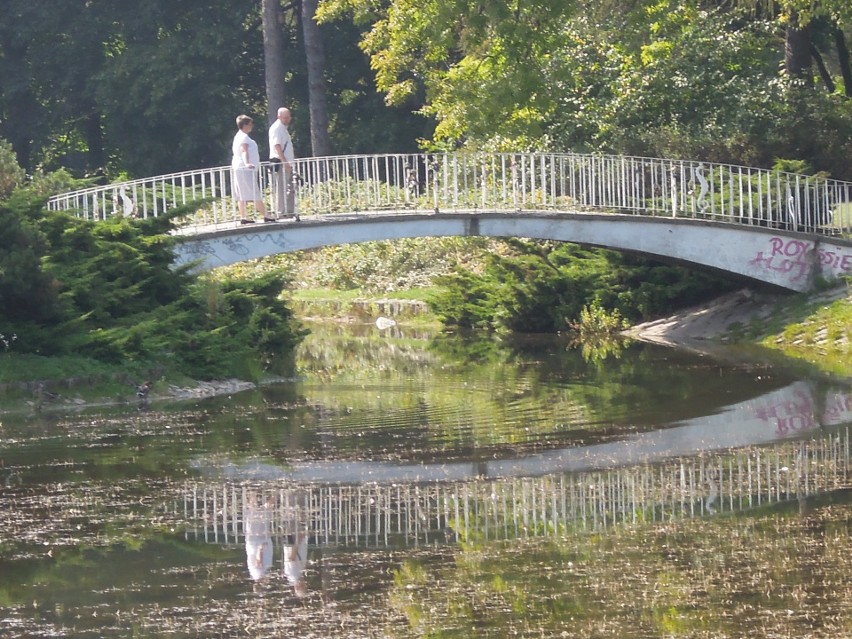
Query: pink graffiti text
[838,410]
[792,416]
[793,257]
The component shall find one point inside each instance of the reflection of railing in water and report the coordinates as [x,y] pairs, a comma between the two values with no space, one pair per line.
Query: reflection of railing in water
[412,514]
[334,515]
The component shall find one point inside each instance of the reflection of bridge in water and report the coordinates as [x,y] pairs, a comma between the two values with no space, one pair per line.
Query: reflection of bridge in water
[412,514]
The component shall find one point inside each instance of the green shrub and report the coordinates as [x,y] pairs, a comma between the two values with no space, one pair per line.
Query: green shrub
[109,291]
[545,286]
[596,321]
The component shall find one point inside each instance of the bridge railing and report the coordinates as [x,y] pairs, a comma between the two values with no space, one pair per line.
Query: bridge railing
[499,182]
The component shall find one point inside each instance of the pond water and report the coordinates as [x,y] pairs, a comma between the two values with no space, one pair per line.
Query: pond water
[408,484]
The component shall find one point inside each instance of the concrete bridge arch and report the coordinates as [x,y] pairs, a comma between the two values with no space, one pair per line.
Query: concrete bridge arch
[782,258]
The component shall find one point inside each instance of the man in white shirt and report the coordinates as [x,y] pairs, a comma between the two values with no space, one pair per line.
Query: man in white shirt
[282,157]
[295,530]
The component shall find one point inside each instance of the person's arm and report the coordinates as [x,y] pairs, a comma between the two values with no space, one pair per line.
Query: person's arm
[245,153]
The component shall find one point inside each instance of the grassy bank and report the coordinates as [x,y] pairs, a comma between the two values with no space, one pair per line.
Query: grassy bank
[811,328]
[37,382]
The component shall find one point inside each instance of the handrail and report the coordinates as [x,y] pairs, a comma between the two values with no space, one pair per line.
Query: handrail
[556,182]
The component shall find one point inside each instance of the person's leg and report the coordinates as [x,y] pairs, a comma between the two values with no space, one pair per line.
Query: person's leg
[279,184]
[257,193]
[290,192]
[242,189]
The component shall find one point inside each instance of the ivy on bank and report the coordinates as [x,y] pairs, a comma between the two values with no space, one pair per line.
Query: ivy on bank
[109,291]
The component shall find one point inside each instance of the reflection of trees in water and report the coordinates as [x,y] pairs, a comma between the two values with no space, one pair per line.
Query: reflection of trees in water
[376,515]
[466,390]
[763,573]
[337,353]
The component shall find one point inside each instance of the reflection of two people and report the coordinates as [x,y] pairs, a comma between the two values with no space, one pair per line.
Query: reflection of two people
[259,517]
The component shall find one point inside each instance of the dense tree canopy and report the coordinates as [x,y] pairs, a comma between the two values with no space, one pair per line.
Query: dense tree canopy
[153,87]
[652,77]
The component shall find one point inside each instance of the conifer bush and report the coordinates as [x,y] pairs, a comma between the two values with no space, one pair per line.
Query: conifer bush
[110,291]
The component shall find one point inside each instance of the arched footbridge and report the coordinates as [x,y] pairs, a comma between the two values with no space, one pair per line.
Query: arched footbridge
[780,228]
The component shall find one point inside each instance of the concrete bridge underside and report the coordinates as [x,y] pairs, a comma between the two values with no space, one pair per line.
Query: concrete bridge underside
[787,259]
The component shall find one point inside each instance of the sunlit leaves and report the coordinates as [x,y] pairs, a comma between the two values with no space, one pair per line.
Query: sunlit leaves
[652,77]
[479,64]
[11,174]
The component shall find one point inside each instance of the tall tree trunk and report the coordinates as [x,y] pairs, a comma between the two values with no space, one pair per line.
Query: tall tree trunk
[797,51]
[823,70]
[843,59]
[94,135]
[315,55]
[273,56]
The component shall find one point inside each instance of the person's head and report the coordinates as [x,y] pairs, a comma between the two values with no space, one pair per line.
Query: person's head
[244,122]
[284,115]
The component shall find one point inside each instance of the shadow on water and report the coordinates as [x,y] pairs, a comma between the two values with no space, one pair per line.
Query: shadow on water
[413,485]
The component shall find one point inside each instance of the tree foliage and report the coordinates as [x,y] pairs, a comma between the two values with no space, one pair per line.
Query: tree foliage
[650,77]
[544,287]
[109,290]
[11,174]
[148,88]
[153,87]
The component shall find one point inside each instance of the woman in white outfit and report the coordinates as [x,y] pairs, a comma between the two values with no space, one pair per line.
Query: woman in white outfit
[257,520]
[245,169]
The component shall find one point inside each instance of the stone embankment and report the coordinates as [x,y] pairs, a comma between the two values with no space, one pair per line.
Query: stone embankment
[360,309]
[701,327]
[209,389]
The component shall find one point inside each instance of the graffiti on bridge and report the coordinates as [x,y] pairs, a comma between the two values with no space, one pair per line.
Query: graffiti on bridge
[796,258]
